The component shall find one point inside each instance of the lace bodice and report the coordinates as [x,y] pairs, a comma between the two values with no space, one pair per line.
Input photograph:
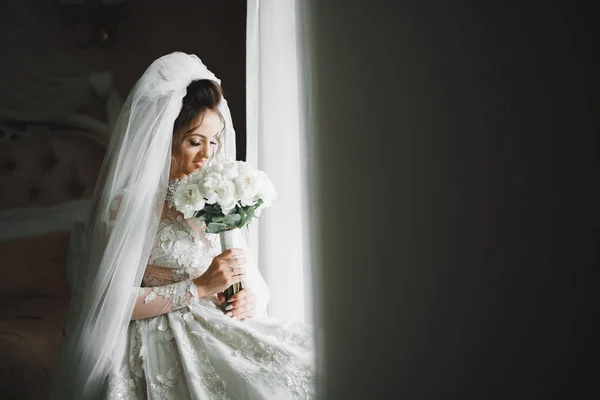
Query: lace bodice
[181,252]
[181,246]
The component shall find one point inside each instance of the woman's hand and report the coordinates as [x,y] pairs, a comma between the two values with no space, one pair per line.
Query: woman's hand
[241,305]
[226,269]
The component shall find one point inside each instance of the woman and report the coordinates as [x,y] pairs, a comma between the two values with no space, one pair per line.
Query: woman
[145,320]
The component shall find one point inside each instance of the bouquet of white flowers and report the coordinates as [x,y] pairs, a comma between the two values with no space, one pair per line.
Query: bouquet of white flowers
[226,196]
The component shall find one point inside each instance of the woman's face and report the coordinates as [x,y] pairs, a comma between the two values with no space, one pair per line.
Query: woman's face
[198,146]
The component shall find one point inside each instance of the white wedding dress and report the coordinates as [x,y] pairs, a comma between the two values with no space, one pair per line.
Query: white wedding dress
[184,347]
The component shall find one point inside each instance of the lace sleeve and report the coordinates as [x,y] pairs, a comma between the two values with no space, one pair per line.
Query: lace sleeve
[157,300]
[159,276]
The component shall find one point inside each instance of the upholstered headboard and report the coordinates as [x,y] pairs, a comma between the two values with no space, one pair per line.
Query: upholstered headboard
[46,181]
[47,168]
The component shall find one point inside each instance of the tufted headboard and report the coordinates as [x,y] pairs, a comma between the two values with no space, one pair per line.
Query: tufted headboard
[47,168]
[46,178]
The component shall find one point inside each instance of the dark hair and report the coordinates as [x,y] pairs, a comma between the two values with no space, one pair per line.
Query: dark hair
[202,95]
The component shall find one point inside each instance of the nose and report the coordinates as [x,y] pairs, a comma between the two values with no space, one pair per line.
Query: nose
[205,152]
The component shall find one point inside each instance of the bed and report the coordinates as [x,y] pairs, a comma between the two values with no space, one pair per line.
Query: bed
[47,176]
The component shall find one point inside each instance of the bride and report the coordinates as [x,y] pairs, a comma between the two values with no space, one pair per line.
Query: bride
[146,320]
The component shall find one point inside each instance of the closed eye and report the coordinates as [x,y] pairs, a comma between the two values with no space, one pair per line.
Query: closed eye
[214,143]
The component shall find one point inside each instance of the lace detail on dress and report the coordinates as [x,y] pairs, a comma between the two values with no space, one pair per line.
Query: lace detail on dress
[272,364]
[121,386]
[183,246]
[175,245]
[195,348]
[125,384]
[159,276]
[262,359]
[171,189]
[180,294]
[164,384]
[136,362]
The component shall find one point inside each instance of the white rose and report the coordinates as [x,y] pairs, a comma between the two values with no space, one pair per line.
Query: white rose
[230,171]
[209,185]
[245,169]
[217,167]
[195,177]
[246,187]
[226,196]
[188,199]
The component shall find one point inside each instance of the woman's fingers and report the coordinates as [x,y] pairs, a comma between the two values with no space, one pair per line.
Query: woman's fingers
[225,270]
[236,261]
[242,311]
[241,305]
[240,295]
[249,313]
[232,253]
[237,271]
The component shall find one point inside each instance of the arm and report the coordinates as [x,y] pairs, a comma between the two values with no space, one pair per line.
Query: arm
[157,300]
[165,293]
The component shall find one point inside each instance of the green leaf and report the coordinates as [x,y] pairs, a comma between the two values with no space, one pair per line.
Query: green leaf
[215,227]
[202,217]
[211,209]
[220,218]
[242,218]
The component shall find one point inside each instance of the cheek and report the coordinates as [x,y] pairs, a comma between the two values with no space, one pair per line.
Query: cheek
[176,158]
[189,153]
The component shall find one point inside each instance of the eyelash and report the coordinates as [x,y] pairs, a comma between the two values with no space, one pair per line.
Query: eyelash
[199,143]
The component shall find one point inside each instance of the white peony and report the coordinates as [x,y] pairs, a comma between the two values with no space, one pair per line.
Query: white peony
[188,199]
[195,177]
[209,185]
[244,168]
[217,167]
[226,196]
[246,187]
[230,171]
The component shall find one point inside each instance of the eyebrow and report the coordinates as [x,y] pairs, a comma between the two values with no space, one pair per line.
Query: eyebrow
[204,136]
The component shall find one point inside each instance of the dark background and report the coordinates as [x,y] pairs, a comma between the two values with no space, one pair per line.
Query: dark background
[139,32]
[456,155]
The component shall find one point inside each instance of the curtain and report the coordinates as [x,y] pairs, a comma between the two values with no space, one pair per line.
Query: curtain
[276,144]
